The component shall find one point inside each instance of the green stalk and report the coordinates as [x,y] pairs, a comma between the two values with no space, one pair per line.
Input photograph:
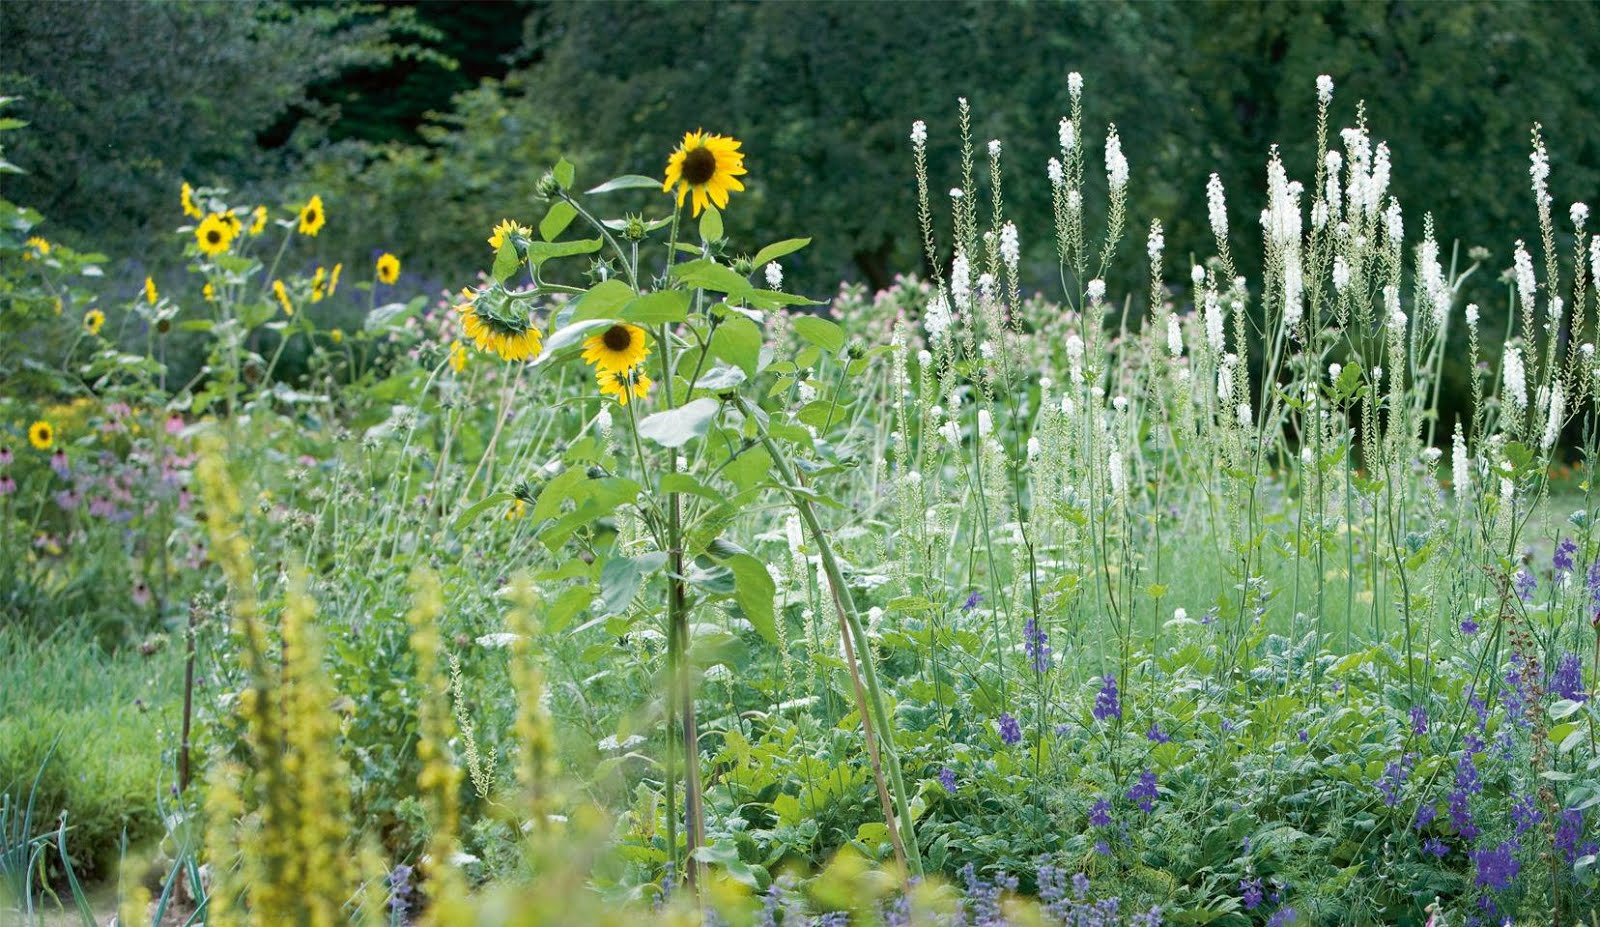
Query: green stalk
[850,617]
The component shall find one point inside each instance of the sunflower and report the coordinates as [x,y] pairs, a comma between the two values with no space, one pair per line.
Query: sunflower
[186,197]
[312,218]
[458,356]
[234,224]
[388,268]
[623,384]
[709,165]
[150,294]
[282,293]
[333,278]
[336,336]
[620,347]
[93,321]
[318,284]
[209,291]
[36,245]
[505,229]
[517,509]
[497,327]
[258,220]
[214,235]
[41,435]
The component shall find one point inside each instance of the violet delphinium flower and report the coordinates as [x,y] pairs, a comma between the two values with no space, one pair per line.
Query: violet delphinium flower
[1250,893]
[1143,793]
[1102,847]
[1100,814]
[1468,626]
[1567,682]
[1569,840]
[1523,585]
[1563,559]
[1394,780]
[1593,584]
[1036,642]
[1106,702]
[947,778]
[1435,848]
[1156,735]
[973,601]
[1281,917]
[399,888]
[1010,730]
[1467,785]
[1525,813]
[1419,720]
[1516,690]
[1496,867]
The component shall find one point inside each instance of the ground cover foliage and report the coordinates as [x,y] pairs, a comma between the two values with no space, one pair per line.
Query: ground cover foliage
[1259,590]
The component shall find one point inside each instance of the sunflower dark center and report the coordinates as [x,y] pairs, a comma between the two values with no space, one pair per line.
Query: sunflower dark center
[213,236]
[617,338]
[699,166]
[311,215]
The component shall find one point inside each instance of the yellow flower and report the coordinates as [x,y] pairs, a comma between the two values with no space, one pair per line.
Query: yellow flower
[209,292]
[707,165]
[186,197]
[458,356]
[503,230]
[258,220]
[518,507]
[620,347]
[333,278]
[282,293]
[93,321]
[37,244]
[150,294]
[317,281]
[214,235]
[337,335]
[234,225]
[388,268]
[58,305]
[41,435]
[623,384]
[312,218]
[505,332]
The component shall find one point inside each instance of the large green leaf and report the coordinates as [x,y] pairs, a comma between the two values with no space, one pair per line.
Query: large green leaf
[677,427]
[753,588]
[778,249]
[709,275]
[656,308]
[628,182]
[621,578]
[556,220]
[738,341]
[603,301]
[541,251]
[820,332]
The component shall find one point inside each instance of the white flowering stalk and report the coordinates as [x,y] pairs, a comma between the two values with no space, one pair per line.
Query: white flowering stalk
[774,274]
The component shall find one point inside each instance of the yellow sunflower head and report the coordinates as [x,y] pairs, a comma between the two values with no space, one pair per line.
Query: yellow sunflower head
[336,336]
[707,166]
[232,218]
[498,324]
[620,347]
[209,291]
[36,246]
[507,229]
[319,284]
[333,278]
[214,235]
[41,435]
[458,356]
[388,268]
[150,294]
[186,199]
[93,321]
[282,293]
[258,220]
[623,384]
[312,218]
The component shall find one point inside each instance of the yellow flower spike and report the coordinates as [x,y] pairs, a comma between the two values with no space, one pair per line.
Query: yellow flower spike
[150,294]
[186,199]
[388,268]
[282,294]
[707,166]
[41,435]
[312,217]
[258,220]
[506,229]
[620,347]
[333,278]
[93,321]
[623,384]
[214,235]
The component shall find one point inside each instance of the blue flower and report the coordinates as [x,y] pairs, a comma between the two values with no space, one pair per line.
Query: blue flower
[1496,867]
[947,778]
[1036,642]
[1563,561]
[1523,584]
[1100,814]
[1435,847]
[1143,793]
[1468,626]
[973,601]
[1419,720]
[1525,813]
[1156,735]
[1010,730]
[1106,703]
[1568,680]
[1250,893]
[1281,917]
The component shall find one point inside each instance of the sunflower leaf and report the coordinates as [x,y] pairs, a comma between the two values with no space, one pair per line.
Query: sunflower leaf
[738,341]
[621,578]
[505,261]
[556,220]
[655,308]
[753,588]
[709,275]
[677,427]
[711,225]
[603,301]
[820,332]
[627,182]
[541,251]
[569,336]
[778,249]
[479,507]
[565,173]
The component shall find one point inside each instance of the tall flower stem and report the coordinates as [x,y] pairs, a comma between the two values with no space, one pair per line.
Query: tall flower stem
[880,747]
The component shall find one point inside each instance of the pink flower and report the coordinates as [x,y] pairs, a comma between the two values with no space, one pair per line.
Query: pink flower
[174,424]
[141,594]
[7,484]
[5,456]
